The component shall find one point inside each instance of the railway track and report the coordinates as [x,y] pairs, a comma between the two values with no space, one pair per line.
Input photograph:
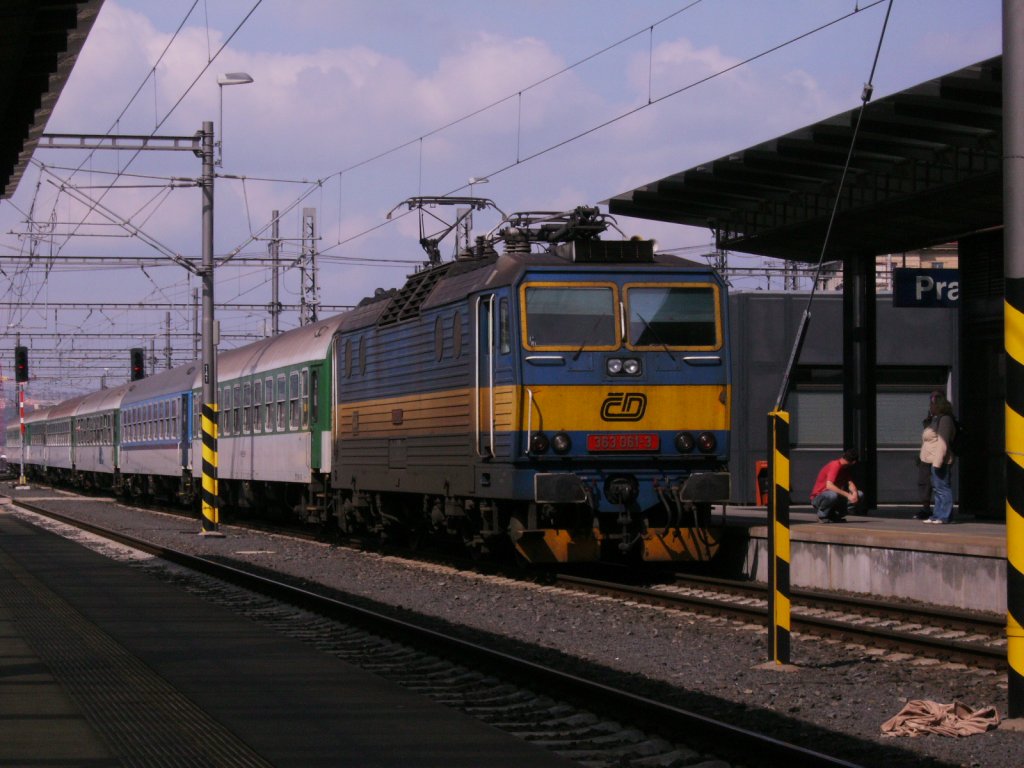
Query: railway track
[566,713]
[955,636]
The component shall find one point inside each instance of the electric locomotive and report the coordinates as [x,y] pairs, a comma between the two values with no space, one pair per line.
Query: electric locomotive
[570,395]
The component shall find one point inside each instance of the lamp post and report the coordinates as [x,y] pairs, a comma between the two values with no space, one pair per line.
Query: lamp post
[231,78]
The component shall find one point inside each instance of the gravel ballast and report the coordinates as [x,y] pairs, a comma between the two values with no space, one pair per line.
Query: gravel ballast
[834,701]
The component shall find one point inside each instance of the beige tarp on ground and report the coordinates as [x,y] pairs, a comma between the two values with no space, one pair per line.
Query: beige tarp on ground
[919,717]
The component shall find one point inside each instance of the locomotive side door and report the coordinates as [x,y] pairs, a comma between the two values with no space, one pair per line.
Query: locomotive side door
[483,382]
[494,377]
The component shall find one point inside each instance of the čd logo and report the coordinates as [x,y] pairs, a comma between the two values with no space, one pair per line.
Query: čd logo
[624,406]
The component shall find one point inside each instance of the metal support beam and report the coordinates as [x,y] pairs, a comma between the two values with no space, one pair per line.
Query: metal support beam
[859,369]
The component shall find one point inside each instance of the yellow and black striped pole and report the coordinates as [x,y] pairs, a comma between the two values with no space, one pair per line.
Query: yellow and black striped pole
[778,536]
[211,514]
[1013,311]
[210,498]
[1014,320]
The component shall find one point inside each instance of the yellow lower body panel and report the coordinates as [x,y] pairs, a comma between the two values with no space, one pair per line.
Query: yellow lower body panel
[559,546]
[686,545]
[663,545]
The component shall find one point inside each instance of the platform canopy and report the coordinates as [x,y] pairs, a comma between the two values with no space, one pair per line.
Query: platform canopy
[926,169]
[39,43]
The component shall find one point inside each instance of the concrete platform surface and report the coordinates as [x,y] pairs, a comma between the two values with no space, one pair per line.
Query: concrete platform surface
[103,665]
[888,553]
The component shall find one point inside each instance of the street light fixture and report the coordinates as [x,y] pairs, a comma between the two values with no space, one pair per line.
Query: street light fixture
[231,78]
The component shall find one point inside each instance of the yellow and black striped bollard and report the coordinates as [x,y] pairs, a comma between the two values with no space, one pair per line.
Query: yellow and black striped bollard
[210,500]
[778,536]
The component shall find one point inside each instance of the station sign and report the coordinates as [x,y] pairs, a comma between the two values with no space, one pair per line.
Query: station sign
[926,287]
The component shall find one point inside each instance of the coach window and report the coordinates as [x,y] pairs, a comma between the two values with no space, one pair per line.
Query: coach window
[504,330]
[282,398]
[304,377]
[237,423]
[257,406]
[314,396]
[247,404]
[456,335]
[268,393]
[293,393]
[348,358]
[225,411]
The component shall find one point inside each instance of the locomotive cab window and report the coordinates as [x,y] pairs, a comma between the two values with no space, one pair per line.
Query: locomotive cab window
[679,316]
[564,316]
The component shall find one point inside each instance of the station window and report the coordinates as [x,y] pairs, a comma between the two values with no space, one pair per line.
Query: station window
[901,400]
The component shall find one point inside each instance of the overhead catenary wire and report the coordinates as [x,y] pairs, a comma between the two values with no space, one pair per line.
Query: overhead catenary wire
[805,320]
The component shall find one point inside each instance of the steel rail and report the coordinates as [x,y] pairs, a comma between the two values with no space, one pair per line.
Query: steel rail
[973,653]
[672,722]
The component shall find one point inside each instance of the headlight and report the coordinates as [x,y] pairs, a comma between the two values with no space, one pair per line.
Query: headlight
[561,443]
[684,442]
[631,367]
[706,442]
[539,443]
[614,366]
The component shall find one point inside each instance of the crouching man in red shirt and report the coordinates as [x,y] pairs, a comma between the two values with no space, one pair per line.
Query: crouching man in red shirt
[835,494]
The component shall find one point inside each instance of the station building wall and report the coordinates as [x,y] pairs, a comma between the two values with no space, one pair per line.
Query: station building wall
[917,352]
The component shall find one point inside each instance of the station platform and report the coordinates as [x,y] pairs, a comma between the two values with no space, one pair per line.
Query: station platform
[104,665]
[887,554]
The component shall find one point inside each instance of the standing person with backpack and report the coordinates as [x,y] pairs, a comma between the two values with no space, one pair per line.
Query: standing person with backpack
[937,452]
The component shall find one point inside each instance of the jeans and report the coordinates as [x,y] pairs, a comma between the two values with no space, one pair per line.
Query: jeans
[942,491]
[830,505]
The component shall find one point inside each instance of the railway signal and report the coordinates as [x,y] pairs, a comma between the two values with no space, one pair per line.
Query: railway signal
[21,364]
[138,363]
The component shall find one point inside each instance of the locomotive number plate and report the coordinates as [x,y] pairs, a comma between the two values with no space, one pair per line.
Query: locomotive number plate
[623,442]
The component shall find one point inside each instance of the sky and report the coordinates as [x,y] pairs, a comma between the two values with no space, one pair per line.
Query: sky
[358,105]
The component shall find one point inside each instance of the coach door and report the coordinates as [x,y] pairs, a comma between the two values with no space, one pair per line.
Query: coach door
[184,430]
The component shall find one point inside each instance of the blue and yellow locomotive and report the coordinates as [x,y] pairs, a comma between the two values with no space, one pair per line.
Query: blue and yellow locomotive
[571,394]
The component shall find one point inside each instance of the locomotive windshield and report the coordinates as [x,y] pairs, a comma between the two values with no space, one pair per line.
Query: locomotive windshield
[673,316]
[570,316]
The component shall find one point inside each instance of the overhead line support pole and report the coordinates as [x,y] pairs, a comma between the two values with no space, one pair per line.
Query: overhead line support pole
[210,499]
